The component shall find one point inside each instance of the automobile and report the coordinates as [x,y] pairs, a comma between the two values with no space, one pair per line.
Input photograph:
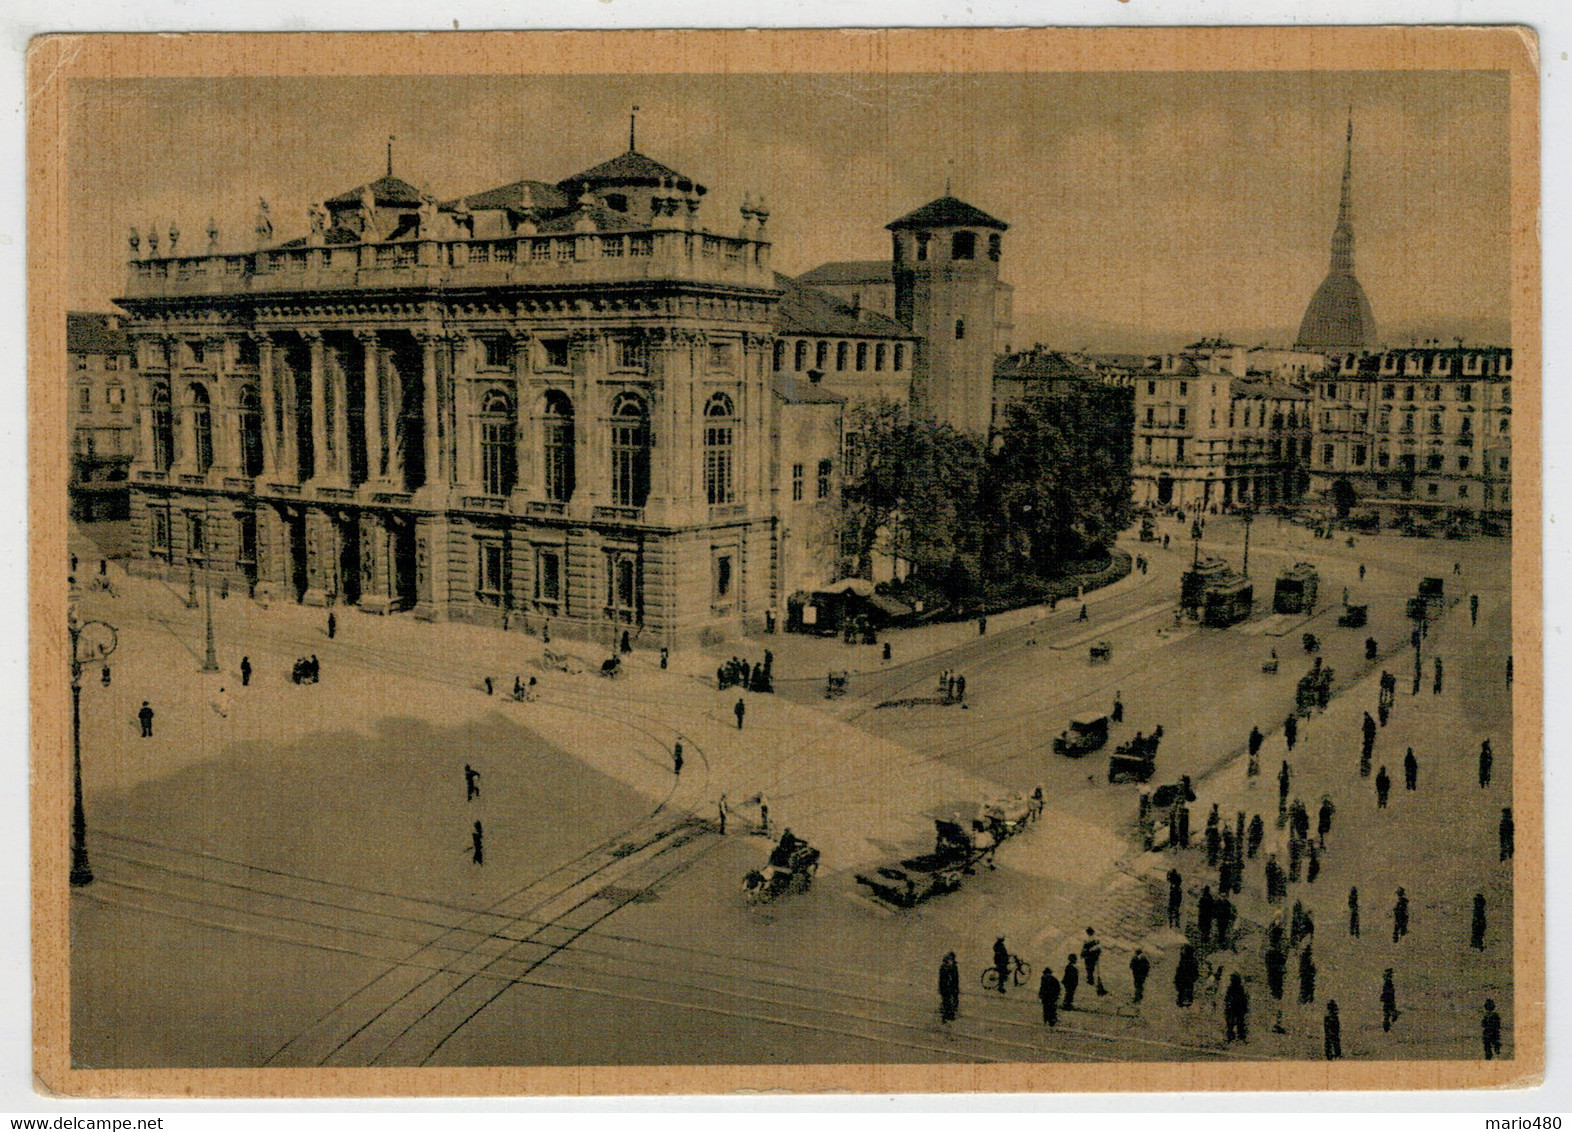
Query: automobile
[1086,733]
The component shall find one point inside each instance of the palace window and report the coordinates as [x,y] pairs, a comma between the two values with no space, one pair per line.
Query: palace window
[900,357]
[556,352]
[1388,392]
[498,352]
[841,351]
[163,429]
[84,398]
[1463,463]
[796,483]
[922,245]
[116,396]
[160,534]
[548,576]
[1326,454]
[879,357]
[197,352]
[628,352]
[622,589]
[821,355]
[1462,491]
[630,451]
[1359,455]
[557,444]
[250,431]
[246,352]
[824,479]
[201,429]
[862,356]
[800,356]
[718,485]
[490,572]
[720,576]
[963,245]
[1433,461]
[1505,426]
[498,450]
[111,363]
[780,355]
[1465,392]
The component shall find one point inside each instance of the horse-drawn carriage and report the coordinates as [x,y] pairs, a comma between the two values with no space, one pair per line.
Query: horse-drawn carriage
[1101,652]
[560,661]
[1086,733]
[958,849]
[1135,760]
[791,868]
[1354,616]
[1315,688]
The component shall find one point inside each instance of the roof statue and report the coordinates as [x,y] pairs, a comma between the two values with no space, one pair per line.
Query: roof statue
[264,223]
[1339,315]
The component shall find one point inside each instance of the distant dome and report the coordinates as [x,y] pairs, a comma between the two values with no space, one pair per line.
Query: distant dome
[1339,316]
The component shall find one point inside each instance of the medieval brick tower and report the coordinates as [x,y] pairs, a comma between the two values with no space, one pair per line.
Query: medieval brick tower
[947,290]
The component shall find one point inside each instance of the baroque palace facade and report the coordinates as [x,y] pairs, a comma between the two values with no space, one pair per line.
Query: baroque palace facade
[543,405]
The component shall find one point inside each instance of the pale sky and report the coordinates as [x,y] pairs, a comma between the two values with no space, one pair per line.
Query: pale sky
[1141,206]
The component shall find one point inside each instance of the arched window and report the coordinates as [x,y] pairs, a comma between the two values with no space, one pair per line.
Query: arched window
[840,357]
[163,429]
[557,438]
[780,354]
[250,431]
[821,355]
[718,415]
[630,451]
[801,355]
[201,429]
[498,452]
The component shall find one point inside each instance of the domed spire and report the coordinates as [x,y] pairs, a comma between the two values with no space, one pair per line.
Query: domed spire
[1339,315]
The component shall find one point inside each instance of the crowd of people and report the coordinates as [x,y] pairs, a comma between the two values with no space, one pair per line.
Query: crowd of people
[738,673]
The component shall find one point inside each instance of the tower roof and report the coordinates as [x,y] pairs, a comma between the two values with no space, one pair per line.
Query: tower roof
[947,212]
[1339,314]
[631,168]
[389,190]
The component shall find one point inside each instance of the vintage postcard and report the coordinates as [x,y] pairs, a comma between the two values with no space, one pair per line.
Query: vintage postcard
[707,561]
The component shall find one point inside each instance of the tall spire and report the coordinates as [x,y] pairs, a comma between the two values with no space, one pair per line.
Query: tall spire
[390,155]
[633,121]
[1343,234]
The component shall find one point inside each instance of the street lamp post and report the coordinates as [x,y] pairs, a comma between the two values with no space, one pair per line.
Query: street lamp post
[1248,517]
[210,660]
[81,869]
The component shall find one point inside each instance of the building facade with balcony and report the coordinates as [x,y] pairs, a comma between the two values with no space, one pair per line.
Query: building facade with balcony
[543,405]
[99,416]
[1421,433]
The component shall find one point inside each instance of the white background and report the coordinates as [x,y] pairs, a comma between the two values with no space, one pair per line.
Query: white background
[22,19]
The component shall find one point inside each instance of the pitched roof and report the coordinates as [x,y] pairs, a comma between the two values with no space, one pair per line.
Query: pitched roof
[1038,365]
[1266,387]
[388,190]
[947,212]
[90,332]
[849,271]
[808,310]
[795,391]
[518,195]
[631,168]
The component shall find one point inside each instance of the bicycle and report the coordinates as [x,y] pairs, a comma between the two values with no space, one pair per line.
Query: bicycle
[1021,972]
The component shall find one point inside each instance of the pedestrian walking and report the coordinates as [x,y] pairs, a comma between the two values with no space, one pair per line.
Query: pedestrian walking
[490,688]
[1276,881]
[1389,1011]
[245,672]
[1307,971]
[1140,967]
[1487,759]
[1312,865]
[1175,897]
[1384,710]
[1001,963]
[949,987]
[471,783]
[1361,571]
[1490,1030]
[1091,954]
[1276,970]
[665,657]
[1223,914]
[1400,916]
[332,625]
[739,711]
[1476,938]
[1048,995]
[477,841]
[145,718]
[1436,689]
[1291,731]
[676,752]
[1473,609]
[722,812]
[1323,821]
[1296,854]
[1410,771]
[1117,714]
[1257,834]
[1184,826]
[1284,778]
[1332,1031]
[1236,1010]
[1214,844]
[1186,971]
[626,645]
[1508,833]
[1206,909]
[1383,787]
[1353,912]
[764,815]
[1072,979]
[960,689]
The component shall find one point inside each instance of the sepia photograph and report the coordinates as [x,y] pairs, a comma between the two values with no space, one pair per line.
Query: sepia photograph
[959,562]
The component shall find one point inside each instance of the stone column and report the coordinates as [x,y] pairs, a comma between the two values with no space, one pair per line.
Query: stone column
[266,379]
[319,460]
[371,360]
[144,422]
[435,476]
[461,444]
[527,454]
[340,430]
[376,564]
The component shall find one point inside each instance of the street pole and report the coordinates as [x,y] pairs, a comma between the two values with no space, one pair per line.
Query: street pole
[81,869]
[210,661]
[1247,517]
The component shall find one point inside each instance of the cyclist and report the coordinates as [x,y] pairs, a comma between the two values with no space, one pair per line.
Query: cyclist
[1002,963]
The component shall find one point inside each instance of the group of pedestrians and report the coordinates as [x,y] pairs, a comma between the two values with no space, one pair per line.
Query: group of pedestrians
[738,673]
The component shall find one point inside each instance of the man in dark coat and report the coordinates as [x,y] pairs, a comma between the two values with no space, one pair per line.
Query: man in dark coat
[1332,1031]
[1313,867]
[1140,967]
[1184,826]
[477,845]
[1236,1010]
[1091,953]
[1296,855]
[1001,963]
[1291,732]
[949,988]
[1400,916]
[1256,740]
[1284,780]
[245,672]
[1117,714]
[1508,833]
[739,710]
[1410,771]
[1275,881]
[1175,897]
[1223,913]
[1214,845]
[1186,972]
[1257,833]
[332,625]
[1486,760]
[1490,1030]
[1206,907]
[1323,823]
[471,783]
[145,718]
[1071,980]
[1436,688]
[1383,787]
[1048,994]
[1307,975]
[1389,1011]
[1476,938]
[1276,969]
[1353,912]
